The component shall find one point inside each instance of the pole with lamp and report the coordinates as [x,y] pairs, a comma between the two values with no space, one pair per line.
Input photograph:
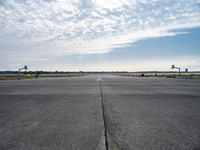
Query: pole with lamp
[174,67]
[24,68]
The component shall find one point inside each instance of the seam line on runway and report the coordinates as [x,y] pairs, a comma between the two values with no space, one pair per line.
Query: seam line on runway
[104,117]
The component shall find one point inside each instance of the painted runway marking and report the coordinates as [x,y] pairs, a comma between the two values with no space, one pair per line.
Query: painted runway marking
[99,79]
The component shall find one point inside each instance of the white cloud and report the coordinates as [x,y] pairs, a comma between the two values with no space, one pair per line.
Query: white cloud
[191,62]
[112,4]
[89,26]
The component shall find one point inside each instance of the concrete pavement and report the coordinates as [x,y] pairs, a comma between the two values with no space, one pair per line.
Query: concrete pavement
[51,114]
[152,113]
[67,113]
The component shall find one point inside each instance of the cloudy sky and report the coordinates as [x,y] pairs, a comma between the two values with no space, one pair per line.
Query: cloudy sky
[124,35]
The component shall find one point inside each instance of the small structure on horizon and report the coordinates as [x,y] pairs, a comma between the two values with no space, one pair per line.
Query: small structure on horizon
[24,68]
[174,67]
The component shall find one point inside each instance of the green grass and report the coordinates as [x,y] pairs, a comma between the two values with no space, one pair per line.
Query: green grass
[33,76]
[189,75]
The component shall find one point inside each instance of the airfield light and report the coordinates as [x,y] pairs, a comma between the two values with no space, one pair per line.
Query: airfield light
[24,68]
[174,67]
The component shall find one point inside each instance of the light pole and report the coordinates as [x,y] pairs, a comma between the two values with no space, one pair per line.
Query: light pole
[173,66]
[25,68]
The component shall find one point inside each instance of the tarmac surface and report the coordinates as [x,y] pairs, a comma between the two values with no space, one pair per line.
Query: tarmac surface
[100,112]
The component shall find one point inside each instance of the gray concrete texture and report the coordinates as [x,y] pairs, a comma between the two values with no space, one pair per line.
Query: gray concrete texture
[66,114]
[152,113]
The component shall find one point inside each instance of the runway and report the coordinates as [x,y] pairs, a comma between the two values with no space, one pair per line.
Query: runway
[75,113]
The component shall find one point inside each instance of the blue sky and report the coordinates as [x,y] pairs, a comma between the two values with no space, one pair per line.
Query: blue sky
[97,35]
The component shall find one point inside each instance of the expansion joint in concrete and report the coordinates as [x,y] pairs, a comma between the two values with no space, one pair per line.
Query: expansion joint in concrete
[104,116]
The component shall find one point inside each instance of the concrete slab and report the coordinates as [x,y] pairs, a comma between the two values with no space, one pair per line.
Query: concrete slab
[152,113]
[66,113]
[54,114]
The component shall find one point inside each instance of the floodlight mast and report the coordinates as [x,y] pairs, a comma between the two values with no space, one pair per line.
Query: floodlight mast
[174,67]
[24,68]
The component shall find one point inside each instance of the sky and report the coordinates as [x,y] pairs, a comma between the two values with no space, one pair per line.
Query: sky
[100,35]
